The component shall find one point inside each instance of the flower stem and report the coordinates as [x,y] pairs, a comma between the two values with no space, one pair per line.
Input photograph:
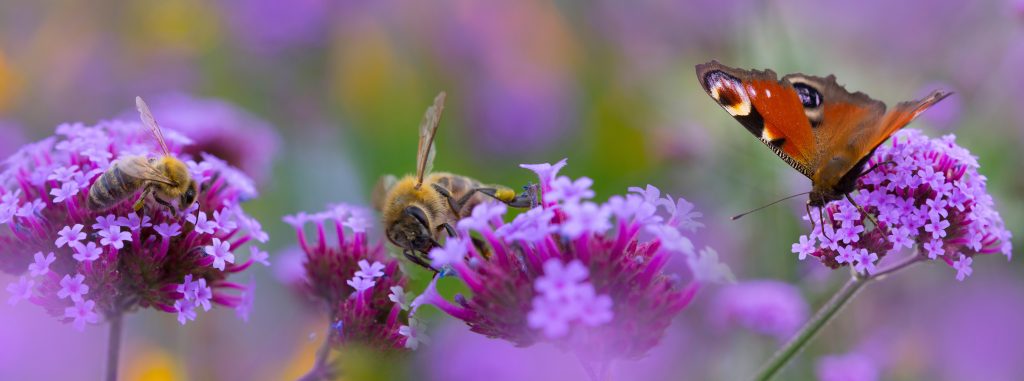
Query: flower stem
[114,344]
[320,371]
[824,315]
[820,318]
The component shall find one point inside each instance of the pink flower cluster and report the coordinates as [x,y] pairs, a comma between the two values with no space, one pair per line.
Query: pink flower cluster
[925,194]
[81,265]
[586,276]
[360,286]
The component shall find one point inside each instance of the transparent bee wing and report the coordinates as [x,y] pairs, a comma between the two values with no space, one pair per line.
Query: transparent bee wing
[140,168]
[380,191]
[428,128]
[150,121]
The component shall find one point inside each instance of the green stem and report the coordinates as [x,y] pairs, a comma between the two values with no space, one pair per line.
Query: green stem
[824,315]
[114,345]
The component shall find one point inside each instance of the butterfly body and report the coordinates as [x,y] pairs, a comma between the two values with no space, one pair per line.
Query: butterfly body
[812,123]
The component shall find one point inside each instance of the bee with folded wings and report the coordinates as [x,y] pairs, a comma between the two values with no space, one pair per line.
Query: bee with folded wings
[418,209]
[165,178]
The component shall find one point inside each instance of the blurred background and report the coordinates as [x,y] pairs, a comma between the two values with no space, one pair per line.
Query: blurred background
[318,98]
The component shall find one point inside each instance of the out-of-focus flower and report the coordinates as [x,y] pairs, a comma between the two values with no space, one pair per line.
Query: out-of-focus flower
[924,193]
[354,279]
[848,367]
[597,288]
[272,26]
[221,129]
[111,262]
[765,306]
[523,92]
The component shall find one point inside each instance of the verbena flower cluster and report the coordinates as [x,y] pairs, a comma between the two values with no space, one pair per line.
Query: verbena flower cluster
[925,194]
[588,277]
[362,288]
[82,265]
[768,307]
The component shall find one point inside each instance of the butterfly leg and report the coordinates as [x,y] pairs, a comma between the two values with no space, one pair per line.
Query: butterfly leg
[873,167]
[869,217]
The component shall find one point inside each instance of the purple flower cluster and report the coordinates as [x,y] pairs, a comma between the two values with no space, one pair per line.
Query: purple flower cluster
[361,287]
[80,265]
[765,306]
[588,277]
[925,194]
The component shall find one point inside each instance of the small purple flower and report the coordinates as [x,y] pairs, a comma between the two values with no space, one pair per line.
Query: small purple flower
[82,313]
[564,297]
[73,287]
[764,306]
[105,222]
[585,218]
[846,254]
[532,226]
[65,192]
[482,216]
[934,249]
[566,190]
[41,266]
[221,253]
[202,225]
[114,237]
[259,256]
[454,251]
[134,223]
[413,334]
[370,271]
[86,253]
[186,310]
[963,267]
[361,284]
[69,235]
[545,171]
[202,294]
[20,290]
[559,280]
[865,262]
[400,297]
[804,248]
[167,230]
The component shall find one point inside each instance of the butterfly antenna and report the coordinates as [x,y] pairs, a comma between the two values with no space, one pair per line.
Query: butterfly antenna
[738,216]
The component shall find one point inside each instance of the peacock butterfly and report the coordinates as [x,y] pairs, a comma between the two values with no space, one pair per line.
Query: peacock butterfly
[812,123]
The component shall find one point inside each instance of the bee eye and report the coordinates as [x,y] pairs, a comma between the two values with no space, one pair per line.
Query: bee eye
[809,97]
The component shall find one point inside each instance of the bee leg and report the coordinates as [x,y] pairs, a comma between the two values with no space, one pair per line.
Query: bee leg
[417,260]
[449,229]
[141,202]
[174,211]
[527,199]
[456,206]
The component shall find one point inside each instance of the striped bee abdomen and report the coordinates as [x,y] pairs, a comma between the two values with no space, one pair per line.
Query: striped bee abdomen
[111,188]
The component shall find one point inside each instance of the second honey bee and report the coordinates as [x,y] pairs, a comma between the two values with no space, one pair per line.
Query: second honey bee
[419,209]
[165,178]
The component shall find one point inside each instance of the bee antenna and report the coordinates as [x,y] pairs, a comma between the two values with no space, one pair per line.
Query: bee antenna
[738,216]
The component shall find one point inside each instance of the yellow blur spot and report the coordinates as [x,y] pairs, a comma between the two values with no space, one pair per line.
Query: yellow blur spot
[151,364]
[301,361]
[8,83]
[184,26]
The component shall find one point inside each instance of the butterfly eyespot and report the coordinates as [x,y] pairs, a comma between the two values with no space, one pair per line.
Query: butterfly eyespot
[809,97]
[728,92]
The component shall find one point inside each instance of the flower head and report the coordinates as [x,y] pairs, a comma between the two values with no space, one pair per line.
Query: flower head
[355,280]
[765,306]
[924,193]
[583,275]
[92,264]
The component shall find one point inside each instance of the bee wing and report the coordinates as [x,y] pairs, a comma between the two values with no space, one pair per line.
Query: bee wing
[380,191]
[150,121]
[140,168]
[428,128]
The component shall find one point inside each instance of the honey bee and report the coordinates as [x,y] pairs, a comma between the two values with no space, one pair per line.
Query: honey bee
[418,209]
[164,178]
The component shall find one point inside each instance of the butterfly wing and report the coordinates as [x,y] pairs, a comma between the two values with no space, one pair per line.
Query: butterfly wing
[770,109]
[425,151]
